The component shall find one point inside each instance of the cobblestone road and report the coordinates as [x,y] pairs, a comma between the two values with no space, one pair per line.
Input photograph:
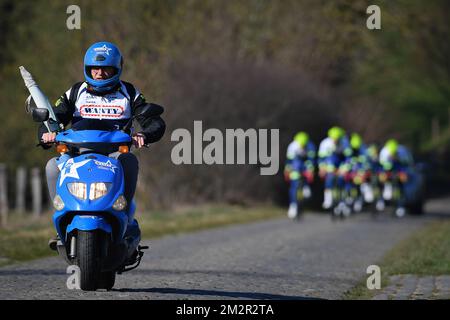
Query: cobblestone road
[407,287]
[276,259]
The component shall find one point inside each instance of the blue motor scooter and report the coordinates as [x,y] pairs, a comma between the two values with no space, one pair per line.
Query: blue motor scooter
[95,224]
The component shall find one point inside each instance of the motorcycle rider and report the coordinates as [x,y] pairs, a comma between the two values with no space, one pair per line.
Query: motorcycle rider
[375,170]
[105,97]
[359,167]
[395,160]
[300,159]
[333,151]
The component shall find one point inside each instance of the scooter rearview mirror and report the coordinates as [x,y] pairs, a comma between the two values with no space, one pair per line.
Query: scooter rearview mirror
[30,104]
[40,114]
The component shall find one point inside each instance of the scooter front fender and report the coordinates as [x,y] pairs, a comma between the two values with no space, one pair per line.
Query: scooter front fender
[89,223]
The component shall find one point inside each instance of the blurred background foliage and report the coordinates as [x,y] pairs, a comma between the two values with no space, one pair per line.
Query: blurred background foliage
[290,64]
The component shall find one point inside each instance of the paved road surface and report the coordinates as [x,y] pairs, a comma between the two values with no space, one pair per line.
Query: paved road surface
[276,259]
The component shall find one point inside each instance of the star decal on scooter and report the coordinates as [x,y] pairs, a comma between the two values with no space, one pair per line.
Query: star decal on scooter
[70,170]
[106,165]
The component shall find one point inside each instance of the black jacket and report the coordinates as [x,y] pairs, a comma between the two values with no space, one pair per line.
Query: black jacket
[153,127]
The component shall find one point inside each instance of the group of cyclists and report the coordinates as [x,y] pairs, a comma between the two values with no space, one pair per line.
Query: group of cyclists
[354,174]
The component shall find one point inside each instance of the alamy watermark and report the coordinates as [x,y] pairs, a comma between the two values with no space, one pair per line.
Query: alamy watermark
[374,20]
[236,146]
[73,22]
[73,281]
[374,280]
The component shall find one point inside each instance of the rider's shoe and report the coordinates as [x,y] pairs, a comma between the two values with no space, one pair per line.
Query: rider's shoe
[400,212]
[357,206]
[349,201]
[346,211]
[327,199]
[292,212]
[367,192]
[337,211]
[380,205]
[306,192]
[52,243]
[387,191]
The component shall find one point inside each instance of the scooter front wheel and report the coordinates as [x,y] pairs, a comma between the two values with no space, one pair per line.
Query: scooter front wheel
[107,280]
[88,258]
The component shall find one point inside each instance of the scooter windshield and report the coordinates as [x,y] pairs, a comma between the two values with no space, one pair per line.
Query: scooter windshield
[93,131]
[94,124]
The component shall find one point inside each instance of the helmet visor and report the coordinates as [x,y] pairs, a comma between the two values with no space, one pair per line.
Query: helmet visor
[101,72]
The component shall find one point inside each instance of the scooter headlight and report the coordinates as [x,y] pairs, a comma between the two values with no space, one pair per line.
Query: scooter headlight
[78,190]
[98,190]
[58,203]
[120,203]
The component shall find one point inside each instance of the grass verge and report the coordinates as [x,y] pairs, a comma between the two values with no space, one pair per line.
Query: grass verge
[426,252]
[27,238]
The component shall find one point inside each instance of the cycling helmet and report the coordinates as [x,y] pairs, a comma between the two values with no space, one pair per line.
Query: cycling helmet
[392,146]
[301,138]
[336,133]
[355,141]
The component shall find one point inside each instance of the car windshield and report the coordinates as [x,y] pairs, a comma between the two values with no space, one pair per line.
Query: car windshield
[94,124]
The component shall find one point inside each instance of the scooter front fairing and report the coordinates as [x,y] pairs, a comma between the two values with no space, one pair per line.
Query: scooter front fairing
[77,186]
